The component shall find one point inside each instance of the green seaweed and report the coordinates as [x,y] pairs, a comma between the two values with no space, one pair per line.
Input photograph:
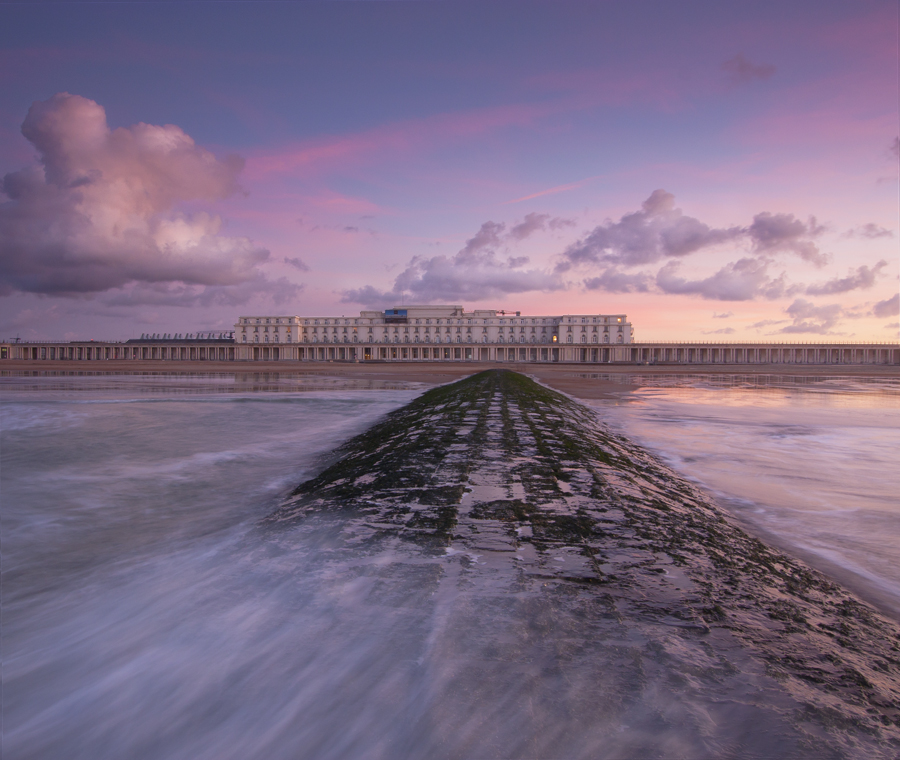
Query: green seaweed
[607,504]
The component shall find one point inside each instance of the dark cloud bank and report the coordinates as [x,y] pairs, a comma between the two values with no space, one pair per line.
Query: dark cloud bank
[100,214]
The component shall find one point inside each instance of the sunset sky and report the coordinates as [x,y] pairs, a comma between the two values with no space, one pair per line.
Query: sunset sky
[710,169]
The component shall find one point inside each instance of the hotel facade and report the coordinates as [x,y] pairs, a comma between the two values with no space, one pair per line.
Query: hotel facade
[438,334]
[429,333]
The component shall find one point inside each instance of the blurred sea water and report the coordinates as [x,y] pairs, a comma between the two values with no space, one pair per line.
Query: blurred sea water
[812,465]
[145,617]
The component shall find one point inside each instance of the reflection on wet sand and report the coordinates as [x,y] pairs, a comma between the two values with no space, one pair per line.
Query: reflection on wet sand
[536,598]
[807,463]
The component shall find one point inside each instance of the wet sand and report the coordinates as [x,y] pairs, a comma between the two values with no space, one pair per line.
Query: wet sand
[617,596]
[585,381]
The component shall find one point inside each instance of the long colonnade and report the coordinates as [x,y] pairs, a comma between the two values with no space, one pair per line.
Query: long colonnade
[771,353]
[176,351]
[634,353]
[142,350]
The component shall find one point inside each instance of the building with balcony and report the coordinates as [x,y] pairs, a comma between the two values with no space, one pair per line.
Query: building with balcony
[441,333]
[434,333]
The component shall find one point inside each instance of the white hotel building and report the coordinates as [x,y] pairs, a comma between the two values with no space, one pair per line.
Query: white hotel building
[443,333]
[433,333]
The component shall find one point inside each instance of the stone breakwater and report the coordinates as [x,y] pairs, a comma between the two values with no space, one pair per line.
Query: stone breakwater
[576,566]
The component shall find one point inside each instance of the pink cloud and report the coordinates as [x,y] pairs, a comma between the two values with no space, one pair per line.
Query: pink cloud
[101,211]
[399,137]
[554,190]
[328,200]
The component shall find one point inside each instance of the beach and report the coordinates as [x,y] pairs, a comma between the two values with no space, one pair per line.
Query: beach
[581,380]
[148,610]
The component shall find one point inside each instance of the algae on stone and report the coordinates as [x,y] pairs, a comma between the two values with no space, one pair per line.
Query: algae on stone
[496,471]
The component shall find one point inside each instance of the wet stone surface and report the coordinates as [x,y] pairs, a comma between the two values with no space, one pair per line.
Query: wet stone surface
[588,595]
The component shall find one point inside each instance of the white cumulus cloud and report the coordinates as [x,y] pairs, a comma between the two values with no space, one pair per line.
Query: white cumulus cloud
[475,273]
[102,210]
